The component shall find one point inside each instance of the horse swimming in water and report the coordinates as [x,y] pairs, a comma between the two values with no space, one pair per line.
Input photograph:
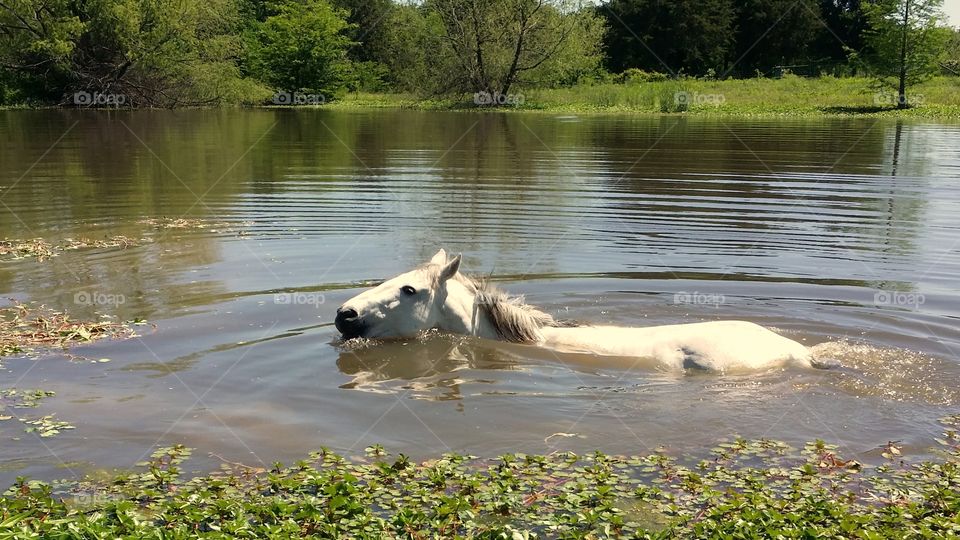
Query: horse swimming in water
[437,296]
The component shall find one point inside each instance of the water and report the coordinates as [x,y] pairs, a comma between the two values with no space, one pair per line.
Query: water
[836,231]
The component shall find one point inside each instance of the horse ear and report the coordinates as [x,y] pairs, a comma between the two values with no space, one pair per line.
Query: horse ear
[450,269]
[440,258]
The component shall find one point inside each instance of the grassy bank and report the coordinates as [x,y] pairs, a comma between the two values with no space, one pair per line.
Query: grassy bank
[743,489]
[938,98]
[788,96]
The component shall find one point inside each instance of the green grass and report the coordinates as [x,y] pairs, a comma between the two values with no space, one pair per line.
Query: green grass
[741,490]
[938,98]
[788,96]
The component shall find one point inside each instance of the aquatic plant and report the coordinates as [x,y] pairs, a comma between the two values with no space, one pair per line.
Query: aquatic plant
[41,250]
[742,489]
[29,329]
[44,426]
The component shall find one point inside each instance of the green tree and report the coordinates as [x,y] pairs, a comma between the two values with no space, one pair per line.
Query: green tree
[369,20]
[370,24]
[773,33]
[302,47]
[412,41]
[842,32]
[151,52]
[37,42]
[691,36]
[906,43]
[951,60]
[490,46]
[164,53]
[579,57]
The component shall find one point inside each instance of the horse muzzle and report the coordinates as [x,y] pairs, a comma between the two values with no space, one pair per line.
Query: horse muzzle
[348,323]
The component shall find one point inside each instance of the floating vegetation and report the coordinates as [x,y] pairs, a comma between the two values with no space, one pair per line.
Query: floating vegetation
[21,399]
[21,249]
[27,329]
[45,426]
[743,489]
[42,250]
[192,223]
[118,241]
[12,398]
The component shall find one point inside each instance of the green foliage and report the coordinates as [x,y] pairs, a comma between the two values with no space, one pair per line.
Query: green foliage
[842,32]
[906,43]
[38,39]
[169,53]
[367,76]
[302,47]
[369,27]
[689,36]
[578,57]
[165,52]
[410,50]
[773,33]
[951,60]
[150,52]
[493,46]
[743,489]
[635,75]
[698,37]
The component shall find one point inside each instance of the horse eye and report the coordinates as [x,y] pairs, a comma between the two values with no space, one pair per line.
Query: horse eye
[408,290]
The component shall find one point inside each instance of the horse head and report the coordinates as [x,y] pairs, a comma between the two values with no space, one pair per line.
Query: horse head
[400,307]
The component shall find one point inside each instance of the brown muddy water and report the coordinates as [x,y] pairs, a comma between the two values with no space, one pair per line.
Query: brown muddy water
[837,231]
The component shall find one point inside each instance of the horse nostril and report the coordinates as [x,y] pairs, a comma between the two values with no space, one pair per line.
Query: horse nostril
[348,322]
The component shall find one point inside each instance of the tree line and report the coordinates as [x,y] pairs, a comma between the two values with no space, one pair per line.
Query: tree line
[170,53]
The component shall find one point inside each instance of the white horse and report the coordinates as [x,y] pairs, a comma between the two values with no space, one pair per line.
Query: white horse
[436,295]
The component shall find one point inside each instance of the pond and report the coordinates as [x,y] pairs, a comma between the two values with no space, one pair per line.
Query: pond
[839,231]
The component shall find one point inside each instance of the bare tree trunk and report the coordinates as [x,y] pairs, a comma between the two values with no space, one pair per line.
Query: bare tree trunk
[482,81]
[518,50]
[902,91]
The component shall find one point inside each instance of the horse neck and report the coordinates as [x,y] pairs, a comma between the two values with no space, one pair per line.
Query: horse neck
[462,314]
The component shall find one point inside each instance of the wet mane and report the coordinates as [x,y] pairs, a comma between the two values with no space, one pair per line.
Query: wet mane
[513,319]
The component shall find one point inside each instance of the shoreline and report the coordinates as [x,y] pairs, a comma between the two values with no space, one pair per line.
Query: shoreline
[788,97]
[945,114]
